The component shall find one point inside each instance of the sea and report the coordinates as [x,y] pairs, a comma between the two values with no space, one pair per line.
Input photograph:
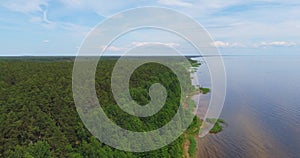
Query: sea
[261,109]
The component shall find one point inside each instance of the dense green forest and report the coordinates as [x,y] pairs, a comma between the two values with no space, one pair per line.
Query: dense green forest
[38,117]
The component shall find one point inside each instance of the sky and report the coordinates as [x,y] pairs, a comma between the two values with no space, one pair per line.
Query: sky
[58,27]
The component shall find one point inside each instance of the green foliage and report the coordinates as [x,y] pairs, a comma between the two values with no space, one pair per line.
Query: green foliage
[193,146]
[39,119]
[18,152]
[39,150]
[204,90]
[194,128]
[217,126]
[194,63]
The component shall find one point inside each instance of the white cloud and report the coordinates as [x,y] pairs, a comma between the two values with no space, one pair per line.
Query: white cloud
[72,3]
[27,6]
[45,41]
[101,7]
[45,17]
[233,20]
[139,44]
[277,44]
[33,8]
[175,3]
[222,44]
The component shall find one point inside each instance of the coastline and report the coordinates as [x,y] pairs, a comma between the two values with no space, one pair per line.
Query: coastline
[200,93]
[190,141]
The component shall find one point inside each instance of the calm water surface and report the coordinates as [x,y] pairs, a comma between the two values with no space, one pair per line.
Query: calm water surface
[262,108]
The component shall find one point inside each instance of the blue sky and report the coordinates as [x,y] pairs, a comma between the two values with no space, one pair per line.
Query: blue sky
[57,27]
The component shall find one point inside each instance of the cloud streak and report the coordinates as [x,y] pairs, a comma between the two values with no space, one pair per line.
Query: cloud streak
[277,44]
[139,44]
[175,3]
[28,6]
[221,44]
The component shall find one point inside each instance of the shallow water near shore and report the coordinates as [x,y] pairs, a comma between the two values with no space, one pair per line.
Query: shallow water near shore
[262,108]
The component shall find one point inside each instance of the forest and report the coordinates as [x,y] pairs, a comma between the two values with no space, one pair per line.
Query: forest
[38,117]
